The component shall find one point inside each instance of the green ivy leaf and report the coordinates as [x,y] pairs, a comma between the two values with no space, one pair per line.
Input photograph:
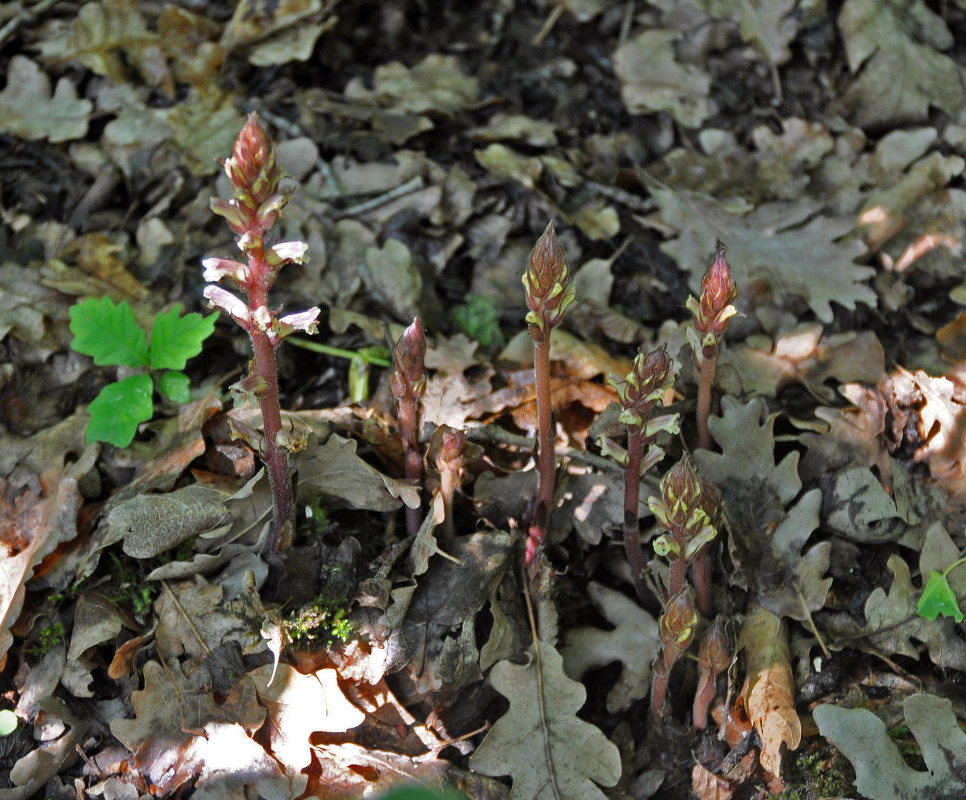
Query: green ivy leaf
[938,598]
[174,386]
[175,339]
[108,332]
[118,410]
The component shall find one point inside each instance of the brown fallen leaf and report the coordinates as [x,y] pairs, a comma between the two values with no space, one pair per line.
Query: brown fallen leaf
[708,786]
[770,688]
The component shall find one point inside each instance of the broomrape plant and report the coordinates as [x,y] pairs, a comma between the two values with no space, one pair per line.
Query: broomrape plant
[549,292]
[640,394]
[408,385]
[251,214]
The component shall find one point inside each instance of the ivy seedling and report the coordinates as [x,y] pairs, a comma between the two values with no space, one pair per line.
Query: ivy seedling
[938,596]
[111,335]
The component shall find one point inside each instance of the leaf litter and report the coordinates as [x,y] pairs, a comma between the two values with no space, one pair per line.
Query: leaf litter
[429,146]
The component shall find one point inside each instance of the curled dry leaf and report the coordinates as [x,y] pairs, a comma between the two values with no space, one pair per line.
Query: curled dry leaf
[770,686]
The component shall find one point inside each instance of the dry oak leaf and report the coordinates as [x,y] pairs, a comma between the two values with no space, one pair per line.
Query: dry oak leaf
[634,642]
[760,495]
[299,705]
[435,84]
[171,736]
[28,110]
[769,25]
[652,80]
[803,355]
[106,37]
[708,786]
[893,625]
[893,47]
[798,250]
[550,753]
[881,772]
[770,686]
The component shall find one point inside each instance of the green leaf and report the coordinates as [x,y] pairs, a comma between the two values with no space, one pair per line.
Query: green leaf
[480,319]
[118,410]
[108,332]
[174,386]
[8,722]
[938,598]
[175,339]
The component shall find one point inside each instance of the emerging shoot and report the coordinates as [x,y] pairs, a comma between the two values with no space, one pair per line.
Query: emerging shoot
[408,385]
[712,313]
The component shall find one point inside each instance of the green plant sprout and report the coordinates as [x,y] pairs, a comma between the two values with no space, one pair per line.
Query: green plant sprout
[48,637]
[133,590]
[111,335]
[479,318]
[938,596]
[360,362]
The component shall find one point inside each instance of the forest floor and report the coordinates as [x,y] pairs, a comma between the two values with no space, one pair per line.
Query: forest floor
[150,641]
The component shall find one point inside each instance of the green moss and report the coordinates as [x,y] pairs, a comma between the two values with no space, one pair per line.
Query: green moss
[816,774]
[47,637]
[131,587]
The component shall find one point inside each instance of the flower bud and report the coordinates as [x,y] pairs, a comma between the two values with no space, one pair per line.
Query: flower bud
[548,285]
[714,309]
[251,169]
[680,490]
[644,387]
[451,450]
[715,652]
[408,362]
[677,624]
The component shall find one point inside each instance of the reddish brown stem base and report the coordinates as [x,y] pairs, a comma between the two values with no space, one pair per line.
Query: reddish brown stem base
[274,456]
[408,426]
[632,538]
[703,410]
[545,448]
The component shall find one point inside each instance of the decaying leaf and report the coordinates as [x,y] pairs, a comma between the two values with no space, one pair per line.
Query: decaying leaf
[771,686]
[550,753]
[881,773]
[897,45]
[152,523]
[792,246]
[767,534]
[653,80]
[634,642]
[335,472]
[893,626]
[28,109]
